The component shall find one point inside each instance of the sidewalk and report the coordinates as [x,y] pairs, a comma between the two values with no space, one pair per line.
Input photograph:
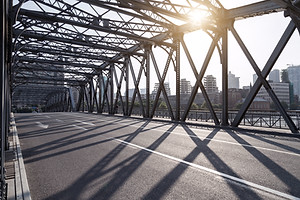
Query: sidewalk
[15,170]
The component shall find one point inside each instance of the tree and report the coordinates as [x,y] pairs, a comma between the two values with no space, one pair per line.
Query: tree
[285,76]
[284,105]
[162,105]
[194,106]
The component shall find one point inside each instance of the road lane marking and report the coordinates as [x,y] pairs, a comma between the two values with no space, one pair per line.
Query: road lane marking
[216,140]
[188,135]
[79,127]
[88,123]
[59,120]
[39,124]
[239,144]
[233,178]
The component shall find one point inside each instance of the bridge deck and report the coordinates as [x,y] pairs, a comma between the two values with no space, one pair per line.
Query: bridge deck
[81,156]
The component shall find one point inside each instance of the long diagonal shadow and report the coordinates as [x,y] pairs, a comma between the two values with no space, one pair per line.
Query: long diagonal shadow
[71,141]
[160,189]
[67,140]
[287,178]
[78,187]
[274,143]
[30,153]
[124,173]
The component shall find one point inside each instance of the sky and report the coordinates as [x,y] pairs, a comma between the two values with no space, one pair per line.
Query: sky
[259,34]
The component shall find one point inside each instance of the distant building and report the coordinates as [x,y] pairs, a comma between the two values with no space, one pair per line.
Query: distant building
[233,82]
[246,87]
[260,104]
[185,86]
[274,76]
[210,84]
[254,78]
[234,97]
[280,89]
[131,91]
[156,86]
[294,77]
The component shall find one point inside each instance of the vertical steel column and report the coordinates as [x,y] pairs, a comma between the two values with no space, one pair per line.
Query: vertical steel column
[79,100]
[2,98]
[225,78]
[100,89]
[127,86]
[147,81]
[91,93]
[177,71]
[111,109]
[71,97]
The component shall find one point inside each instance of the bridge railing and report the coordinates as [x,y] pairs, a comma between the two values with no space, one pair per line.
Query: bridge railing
[252,118]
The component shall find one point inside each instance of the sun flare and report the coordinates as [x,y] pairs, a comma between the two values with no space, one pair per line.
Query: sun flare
[197,16]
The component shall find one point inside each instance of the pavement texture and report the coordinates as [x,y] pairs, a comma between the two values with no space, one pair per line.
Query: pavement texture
[86,156]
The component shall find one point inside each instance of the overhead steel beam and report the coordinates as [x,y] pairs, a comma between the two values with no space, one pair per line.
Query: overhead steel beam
[54,17]
[255,9]
[31,67]
[110,7]
[66,52]
[62,63]
[45,36]
[47,79]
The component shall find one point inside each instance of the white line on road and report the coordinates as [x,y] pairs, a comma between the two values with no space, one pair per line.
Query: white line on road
[216,140]
[39,124]
[244,145]
[59,120]
[242,181]
[88,123]
[79,127]
[212,139]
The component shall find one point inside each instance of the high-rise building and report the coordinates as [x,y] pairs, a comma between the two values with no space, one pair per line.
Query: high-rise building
[254,78]
[210,84]
[185,86]
[156,86]
[131,92]
[233,82]
[294,77]
[274,76]
[280,89]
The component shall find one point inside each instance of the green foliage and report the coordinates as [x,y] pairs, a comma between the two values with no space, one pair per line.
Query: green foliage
[194,106]
[162,105]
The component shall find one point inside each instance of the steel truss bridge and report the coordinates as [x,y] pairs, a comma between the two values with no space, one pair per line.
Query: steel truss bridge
[53,49]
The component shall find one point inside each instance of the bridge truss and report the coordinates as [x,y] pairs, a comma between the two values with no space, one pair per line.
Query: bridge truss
[87,55]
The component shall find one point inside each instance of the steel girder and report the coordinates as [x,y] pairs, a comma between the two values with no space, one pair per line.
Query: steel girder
[93,42]
[5,102]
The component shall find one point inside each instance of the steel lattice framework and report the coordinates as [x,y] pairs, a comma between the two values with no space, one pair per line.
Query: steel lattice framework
[101,48]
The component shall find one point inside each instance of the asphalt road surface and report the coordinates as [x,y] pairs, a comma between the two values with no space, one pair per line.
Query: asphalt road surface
[87,156]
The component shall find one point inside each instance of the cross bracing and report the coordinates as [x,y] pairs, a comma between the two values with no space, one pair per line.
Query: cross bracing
[90,41]
[88,55]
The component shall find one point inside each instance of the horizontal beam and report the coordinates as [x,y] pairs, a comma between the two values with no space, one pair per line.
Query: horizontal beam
[66,52]
[45,36]
[54,18]
[49,68]
[60,63]
[255,9]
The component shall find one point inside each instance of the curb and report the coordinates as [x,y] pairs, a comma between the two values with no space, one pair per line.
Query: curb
[22,191]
